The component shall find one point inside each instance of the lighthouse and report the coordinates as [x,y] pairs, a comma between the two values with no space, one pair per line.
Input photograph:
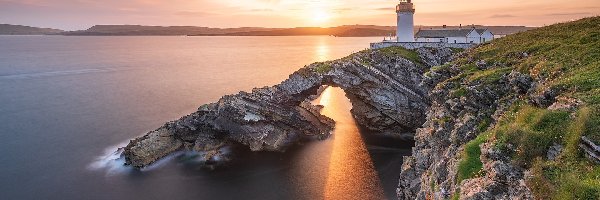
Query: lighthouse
[405,30]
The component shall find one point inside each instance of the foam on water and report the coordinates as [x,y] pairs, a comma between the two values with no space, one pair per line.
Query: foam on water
[111,161]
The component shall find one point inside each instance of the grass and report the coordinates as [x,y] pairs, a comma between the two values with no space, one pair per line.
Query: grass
[323,68]
[470,165]
[405,53]
[460,92]
[457,50]
[490,76]
[565,56]
[484,124]
[531,131]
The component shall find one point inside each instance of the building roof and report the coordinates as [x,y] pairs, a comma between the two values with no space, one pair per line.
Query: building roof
[480,31]
[443,33]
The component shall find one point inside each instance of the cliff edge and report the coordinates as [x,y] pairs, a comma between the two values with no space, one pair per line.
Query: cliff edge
[507,118]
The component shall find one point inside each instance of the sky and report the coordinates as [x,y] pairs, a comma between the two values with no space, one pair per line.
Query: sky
[82,14]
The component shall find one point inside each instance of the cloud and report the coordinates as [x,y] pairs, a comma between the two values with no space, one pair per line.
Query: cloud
[192,13]
[261,10]
[386,8]
[502,16]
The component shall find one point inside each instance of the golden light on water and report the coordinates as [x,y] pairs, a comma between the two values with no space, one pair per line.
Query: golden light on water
[351,173]
[322,51]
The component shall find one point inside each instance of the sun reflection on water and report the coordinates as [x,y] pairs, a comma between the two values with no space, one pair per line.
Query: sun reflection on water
[351,173]
[322,50]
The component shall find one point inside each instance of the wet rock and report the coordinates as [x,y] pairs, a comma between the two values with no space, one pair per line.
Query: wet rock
[151,147]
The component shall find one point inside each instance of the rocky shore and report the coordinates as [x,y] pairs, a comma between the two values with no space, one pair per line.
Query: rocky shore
[384,87]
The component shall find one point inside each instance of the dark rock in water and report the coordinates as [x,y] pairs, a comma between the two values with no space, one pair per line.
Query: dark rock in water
[384,88]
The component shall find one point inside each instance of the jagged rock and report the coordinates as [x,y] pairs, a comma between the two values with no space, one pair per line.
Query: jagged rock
[545,98]
[521,83]
[502,180]
[453,121]
[554,151]
[481,64]
[151,147]
[383,88]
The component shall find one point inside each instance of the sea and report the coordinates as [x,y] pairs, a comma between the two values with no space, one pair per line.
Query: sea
[67,103]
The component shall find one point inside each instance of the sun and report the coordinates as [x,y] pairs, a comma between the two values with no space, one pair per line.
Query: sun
[320,16]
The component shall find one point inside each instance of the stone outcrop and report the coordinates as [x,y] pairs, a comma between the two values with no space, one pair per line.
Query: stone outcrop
[383,85]
[456,115]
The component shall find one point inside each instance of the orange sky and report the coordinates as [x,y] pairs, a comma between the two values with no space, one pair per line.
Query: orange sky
[80,14]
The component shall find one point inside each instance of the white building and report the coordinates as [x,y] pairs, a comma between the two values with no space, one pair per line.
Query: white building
[471,35]
[486,35]
[405,30]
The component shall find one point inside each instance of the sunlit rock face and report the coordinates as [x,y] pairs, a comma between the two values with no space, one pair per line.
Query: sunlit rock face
[382,85]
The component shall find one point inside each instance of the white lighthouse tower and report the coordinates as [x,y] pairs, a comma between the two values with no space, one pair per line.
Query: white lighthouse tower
[405,30]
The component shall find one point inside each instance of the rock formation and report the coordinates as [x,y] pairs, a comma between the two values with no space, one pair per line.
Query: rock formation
[503,123]
[384,87]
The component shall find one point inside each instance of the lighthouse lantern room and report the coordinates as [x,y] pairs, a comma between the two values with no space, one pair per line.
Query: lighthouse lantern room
[405,30]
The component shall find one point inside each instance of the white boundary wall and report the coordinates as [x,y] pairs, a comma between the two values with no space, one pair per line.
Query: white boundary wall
[416,45]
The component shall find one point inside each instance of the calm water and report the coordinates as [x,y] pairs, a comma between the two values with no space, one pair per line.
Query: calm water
[67,103]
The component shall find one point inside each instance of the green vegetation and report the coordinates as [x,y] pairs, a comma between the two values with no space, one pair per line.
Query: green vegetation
[457,50]
[565,56]
[405,53]
[532,132]
[490,76]
[444,120]
[484,124]
[460,92]
[470,165]
[323,68]
[456,195]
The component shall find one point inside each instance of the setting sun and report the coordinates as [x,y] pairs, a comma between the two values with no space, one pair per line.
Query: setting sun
[320,16]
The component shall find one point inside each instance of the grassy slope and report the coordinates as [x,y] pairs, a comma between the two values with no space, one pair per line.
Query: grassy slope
[563,56]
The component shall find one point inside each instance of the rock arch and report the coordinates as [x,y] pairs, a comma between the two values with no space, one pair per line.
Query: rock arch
[383,85]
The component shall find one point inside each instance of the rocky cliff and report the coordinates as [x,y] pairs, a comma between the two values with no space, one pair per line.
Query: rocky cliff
[506,120]
[383,86]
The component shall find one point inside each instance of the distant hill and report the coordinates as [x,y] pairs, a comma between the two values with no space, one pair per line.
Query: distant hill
[127,30]
[8,29]
[339,31]
[366,32]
